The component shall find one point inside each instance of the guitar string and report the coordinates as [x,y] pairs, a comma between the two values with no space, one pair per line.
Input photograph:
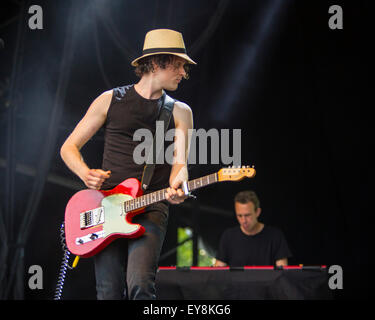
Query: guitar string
[159,195]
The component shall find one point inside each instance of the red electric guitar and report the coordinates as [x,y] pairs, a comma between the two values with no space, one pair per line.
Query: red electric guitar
[94,218]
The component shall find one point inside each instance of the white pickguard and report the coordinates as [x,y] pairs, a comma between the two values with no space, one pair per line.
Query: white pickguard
[114,220]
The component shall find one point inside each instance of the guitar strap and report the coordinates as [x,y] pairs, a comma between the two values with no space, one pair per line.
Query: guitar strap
[166,104]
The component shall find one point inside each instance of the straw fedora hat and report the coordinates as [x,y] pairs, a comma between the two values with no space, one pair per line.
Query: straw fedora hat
[164,41]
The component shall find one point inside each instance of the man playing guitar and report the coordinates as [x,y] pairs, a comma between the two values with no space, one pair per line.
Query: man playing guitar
[126,268]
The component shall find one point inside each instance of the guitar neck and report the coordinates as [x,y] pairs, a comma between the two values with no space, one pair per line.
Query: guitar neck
[159,195]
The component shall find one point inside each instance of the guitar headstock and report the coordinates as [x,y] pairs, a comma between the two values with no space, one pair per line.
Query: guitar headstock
[236,174]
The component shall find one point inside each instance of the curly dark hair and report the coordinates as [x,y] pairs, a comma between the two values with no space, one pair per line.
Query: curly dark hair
[161,60]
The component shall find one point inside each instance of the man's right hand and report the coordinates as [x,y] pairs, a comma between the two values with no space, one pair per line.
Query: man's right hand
[94,178]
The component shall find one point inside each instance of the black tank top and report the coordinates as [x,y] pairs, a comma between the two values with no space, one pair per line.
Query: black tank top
[128,112]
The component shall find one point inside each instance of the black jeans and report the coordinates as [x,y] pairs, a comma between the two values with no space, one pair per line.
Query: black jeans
[126,268]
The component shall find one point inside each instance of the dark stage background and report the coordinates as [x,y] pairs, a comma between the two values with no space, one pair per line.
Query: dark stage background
[298,91]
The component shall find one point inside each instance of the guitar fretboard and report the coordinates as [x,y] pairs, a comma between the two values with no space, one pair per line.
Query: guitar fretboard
[159,195]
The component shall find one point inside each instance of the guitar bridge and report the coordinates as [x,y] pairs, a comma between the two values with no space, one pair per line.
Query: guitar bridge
[91,218]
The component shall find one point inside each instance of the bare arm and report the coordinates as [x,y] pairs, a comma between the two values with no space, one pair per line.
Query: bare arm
[183,117]
[70,151]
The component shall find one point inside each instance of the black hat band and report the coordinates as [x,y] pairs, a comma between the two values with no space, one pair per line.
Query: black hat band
[172,50]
